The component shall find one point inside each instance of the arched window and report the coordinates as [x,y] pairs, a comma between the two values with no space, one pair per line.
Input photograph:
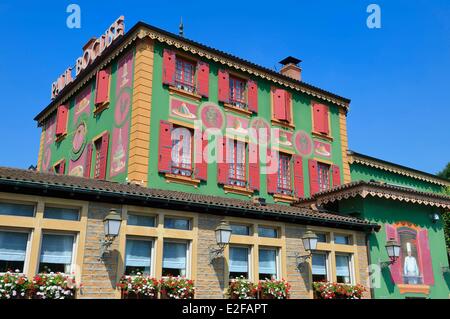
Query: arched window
[181,151]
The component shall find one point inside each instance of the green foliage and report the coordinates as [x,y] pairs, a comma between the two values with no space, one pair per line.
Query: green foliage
[445,173]
[446,220]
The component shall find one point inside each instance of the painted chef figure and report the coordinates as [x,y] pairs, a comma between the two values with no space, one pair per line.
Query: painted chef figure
[410,269]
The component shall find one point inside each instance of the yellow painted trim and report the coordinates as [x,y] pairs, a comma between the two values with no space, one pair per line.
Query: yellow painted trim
[284,198]
[171,178]
[41,149]
[181,123]
[238,190]
[344,146]
[416,289]
[232,108]
[323,136]
[323,161]
[141,113]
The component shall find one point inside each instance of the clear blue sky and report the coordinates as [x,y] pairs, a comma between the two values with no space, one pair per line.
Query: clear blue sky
[397,77]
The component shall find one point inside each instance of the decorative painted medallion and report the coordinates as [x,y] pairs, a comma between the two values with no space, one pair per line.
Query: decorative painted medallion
[212,116]
[303,143]
[79,138]
[183,110]
[283,138]
[261,128]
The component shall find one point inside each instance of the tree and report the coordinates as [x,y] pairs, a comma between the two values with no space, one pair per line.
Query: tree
[446,220]
[445,173]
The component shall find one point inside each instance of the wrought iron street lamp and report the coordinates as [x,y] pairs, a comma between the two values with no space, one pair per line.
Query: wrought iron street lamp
[111,223]
[309,243]
[393,251]
[223,235]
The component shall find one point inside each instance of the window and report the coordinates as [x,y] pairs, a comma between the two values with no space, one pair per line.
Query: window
[240,230]
[322,238]
[138,256]
[60,167]
[284,175]
[239,262]
[24,210]
[56,253]
[324,176]
[267,232]
[177,223]
[181,151]
[141,220]
[61,213]
[268,263]
[184,75]
[237,163]
[237,92]
[13,247]
[342,239]
[319,267]
[175,256]
[343,269]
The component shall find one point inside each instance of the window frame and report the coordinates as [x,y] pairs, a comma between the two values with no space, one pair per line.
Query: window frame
[233,172]
[249,260]
[182,84]
[327,263]
[190,222]
[277,260]
[51,205]
[320,166]
[59,233]
[181,157]
[16,202]
[152,254]
[249,228]
[238,103]
[188,243]
[282,190]
[350,266]
[155,218]
[27,248]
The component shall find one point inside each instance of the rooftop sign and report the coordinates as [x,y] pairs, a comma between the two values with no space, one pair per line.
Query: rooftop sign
[91,51]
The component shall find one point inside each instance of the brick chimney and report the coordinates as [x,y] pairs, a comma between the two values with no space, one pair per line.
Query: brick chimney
[291,68]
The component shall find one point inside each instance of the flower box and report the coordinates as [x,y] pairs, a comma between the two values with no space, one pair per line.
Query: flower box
[273,289]
[138,286]
[14,285]
[176,288]
[241,288]
[53,286]
[332,290]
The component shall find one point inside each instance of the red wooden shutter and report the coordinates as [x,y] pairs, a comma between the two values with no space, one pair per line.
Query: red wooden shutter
[325,124]
[103,156]
[61,120]
[313,177]
[287,106]
[272,179]
[279,102]
[224,86]
[336,175]
[252,97]
[203,78]
[396,268]
[425,257]
[87,172]
[253,166]
[165,147]
[298,177]
[222,165]
[201,166]
[169,67]
[102,87]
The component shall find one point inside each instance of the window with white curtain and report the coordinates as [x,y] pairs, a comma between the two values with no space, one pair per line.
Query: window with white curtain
[13,249]
[61,213]
[138,256]
[181,151]
[343,269]
[268,263]
[237,163]
[319,267]
[239,262]
[23,210]
[56,253]
[175,257]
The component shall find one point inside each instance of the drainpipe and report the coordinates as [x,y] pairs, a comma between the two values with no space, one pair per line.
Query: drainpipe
[369,261]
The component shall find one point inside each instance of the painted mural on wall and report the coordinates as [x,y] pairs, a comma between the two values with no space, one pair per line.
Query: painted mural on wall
[49,138]
[322,149]
[120,131]
[414,267]
[303,143]
[183,111]
[79,158]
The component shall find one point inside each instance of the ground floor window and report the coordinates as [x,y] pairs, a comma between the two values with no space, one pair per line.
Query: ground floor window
[138,256]
[319,267]
[268,263]
[56,253]
[343,269]
[239,262]
[175,256]
[13,248]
